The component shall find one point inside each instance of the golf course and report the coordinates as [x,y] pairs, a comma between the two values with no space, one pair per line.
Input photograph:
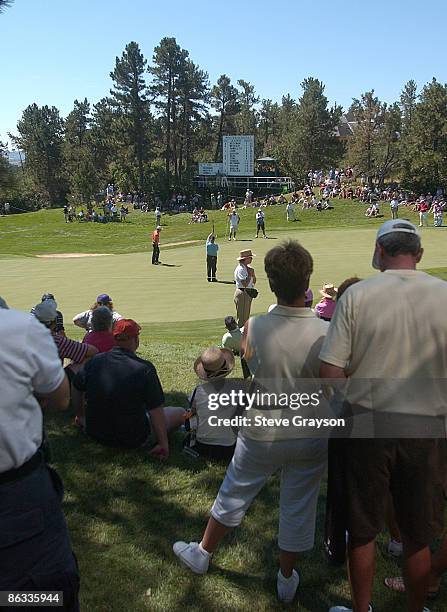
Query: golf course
[125,509]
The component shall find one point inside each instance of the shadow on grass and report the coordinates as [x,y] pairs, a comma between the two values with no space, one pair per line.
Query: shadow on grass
[125,510]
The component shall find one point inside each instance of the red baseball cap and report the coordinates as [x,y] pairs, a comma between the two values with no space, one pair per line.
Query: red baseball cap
[126,327]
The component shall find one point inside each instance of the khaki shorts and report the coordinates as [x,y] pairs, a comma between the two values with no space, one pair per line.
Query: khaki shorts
[412,471]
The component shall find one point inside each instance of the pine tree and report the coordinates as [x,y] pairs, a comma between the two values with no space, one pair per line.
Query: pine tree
[315,127]
[40,137]
[268,119]
[103,133]
[425,153]
[129,97]
[79,160]
[246,118]
[388,153]
[168,63]
[363,147]
[225,99]
[193,91]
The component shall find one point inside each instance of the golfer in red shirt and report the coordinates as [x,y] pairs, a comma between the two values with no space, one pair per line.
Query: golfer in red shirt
[156,245]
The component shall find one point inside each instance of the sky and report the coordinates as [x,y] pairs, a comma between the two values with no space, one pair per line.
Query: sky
[55,51]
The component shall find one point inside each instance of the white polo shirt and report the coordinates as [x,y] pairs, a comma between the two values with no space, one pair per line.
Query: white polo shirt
[84,319]
[29,363]
[240,275]
[234,220]
[390,333]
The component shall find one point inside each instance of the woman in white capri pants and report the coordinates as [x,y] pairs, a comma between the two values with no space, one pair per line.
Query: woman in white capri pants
[286,343]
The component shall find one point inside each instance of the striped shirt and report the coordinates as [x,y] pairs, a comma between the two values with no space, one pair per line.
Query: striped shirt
[70,349]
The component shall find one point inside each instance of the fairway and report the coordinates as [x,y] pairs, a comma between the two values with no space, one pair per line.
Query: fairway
[178,291]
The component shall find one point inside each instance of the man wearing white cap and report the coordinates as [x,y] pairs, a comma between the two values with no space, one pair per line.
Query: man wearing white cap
[398,364]
[245,279]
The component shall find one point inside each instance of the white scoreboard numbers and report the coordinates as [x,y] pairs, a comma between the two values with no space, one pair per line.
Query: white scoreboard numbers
[238,155]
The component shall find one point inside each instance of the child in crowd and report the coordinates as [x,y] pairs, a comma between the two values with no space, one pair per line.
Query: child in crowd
[217,443]
[326,306]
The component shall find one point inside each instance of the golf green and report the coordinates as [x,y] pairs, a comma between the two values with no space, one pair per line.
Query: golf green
[178,290]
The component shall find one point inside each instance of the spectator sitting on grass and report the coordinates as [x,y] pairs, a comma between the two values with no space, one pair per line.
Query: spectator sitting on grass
[46,313]
[101,335]
[124,398]
[212,367]
[84,319]
[232,338]
[59,319]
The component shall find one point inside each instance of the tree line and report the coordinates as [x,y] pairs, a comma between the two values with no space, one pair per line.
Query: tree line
[162,117]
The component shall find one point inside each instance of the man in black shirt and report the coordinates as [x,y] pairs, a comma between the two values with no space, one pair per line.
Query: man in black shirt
[121,391]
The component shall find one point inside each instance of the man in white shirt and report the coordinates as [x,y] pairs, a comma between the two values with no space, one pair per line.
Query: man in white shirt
[260,223]
[233,219]
[394,205]
[35,547]
[290,212]
[245,279]
[397,368]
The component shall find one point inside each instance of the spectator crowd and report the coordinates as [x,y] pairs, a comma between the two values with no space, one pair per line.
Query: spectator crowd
[394,478]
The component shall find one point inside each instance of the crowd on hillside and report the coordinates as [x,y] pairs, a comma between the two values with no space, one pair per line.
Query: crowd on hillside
[374,482]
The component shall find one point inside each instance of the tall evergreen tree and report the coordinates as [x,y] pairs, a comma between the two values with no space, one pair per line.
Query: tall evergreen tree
[388,147]
[225,99]
[369,113]
[408,101]
[82,174]
[246,118]
[284,144]
[168,64]
[315,127]
[425,153]
[129,96]
[6,174]
[40,137]
[193,90]
[103,134]
[268,119]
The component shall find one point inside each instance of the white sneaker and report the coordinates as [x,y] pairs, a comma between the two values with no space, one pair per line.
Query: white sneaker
[193,556]
[345,609]
[394,549]
[287,587]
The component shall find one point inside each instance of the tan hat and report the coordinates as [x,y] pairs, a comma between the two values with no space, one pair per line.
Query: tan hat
[245,254]
[214,363]
[329,291]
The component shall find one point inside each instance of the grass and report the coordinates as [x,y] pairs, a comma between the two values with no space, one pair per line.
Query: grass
[45,231]
[125,509]
[178,291]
